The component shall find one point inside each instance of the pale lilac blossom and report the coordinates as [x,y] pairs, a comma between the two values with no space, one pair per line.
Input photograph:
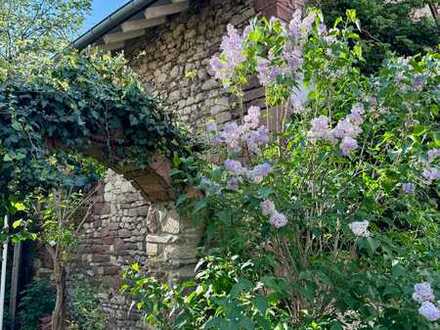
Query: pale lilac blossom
[347,145]
[252,119]
[431,174]
[293,55]
[429,311]
[320,129]
[433,154]
[346,128]
[419,82]
[423,292]
[259,172]
[223,66]
[299,98]
[294,25]
[231,135]
[233,184]
[209,186]
[267,207]
[306,25]
[267,72]
[322,29]
[232,46]
[257,138]
[356,115]
[221,70]
[234,166]
[211,127]
[278,220]
[360,228]
[408,188]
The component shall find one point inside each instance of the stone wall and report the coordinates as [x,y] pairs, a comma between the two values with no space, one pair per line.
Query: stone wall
[173,60]
[113,238]
[123,229]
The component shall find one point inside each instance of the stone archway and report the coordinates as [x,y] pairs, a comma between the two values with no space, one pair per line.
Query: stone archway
[134,220]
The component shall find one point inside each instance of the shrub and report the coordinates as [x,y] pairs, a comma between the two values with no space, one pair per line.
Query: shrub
[339,210]
[86,312]
[225,294]
[37,300]
[388,26]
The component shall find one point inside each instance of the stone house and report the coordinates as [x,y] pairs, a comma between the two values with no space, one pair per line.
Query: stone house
[169,43]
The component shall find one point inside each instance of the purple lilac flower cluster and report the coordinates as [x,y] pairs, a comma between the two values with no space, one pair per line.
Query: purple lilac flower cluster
[408,188]
[276,218]
[424,295]
[251,134]
[432,173]
[223,66]
[299,97]
[433,154]
[346,130]
[234,167]
[257,174]
[209,186]
[297,33]
[267,72]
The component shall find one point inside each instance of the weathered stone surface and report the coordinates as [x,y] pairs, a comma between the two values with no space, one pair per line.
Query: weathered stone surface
[131,230]
[175,61]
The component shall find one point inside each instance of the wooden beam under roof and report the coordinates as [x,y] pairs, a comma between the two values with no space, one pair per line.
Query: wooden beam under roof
[141,24]
[117,37]
[113,46]
[167,9]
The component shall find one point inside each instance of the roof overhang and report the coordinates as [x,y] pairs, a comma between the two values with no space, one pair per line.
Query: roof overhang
[129,22]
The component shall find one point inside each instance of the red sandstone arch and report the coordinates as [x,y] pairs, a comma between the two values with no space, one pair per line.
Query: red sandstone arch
[153,181]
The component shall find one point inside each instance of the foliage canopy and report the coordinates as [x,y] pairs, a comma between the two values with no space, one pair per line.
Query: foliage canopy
[32,29]
[88,104]
[388,26]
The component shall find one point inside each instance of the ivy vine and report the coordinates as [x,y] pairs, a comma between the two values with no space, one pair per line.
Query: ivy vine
[79,104]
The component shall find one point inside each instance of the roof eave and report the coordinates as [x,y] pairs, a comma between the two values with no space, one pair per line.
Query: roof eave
[110,22]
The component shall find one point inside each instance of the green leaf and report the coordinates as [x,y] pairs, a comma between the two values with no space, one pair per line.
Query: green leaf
[19,206]
[16,125]
[351,14]
[336,326]
[7,158]
[261,304]
[200,205]
[17,224]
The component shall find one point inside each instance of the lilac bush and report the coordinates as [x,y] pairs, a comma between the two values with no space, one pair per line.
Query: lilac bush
[350,184]
[338,208]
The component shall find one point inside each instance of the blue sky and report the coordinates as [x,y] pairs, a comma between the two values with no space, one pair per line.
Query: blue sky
[100,10]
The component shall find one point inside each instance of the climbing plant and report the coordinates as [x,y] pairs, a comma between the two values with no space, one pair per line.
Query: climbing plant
[73,106]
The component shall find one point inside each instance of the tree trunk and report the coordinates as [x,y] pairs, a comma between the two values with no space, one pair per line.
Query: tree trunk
[58,314]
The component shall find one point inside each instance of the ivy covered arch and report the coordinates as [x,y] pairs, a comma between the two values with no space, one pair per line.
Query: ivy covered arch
[89,104]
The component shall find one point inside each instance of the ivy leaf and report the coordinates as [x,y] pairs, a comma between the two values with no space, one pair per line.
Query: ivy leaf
[7,158]
[133,120]
[16,125]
